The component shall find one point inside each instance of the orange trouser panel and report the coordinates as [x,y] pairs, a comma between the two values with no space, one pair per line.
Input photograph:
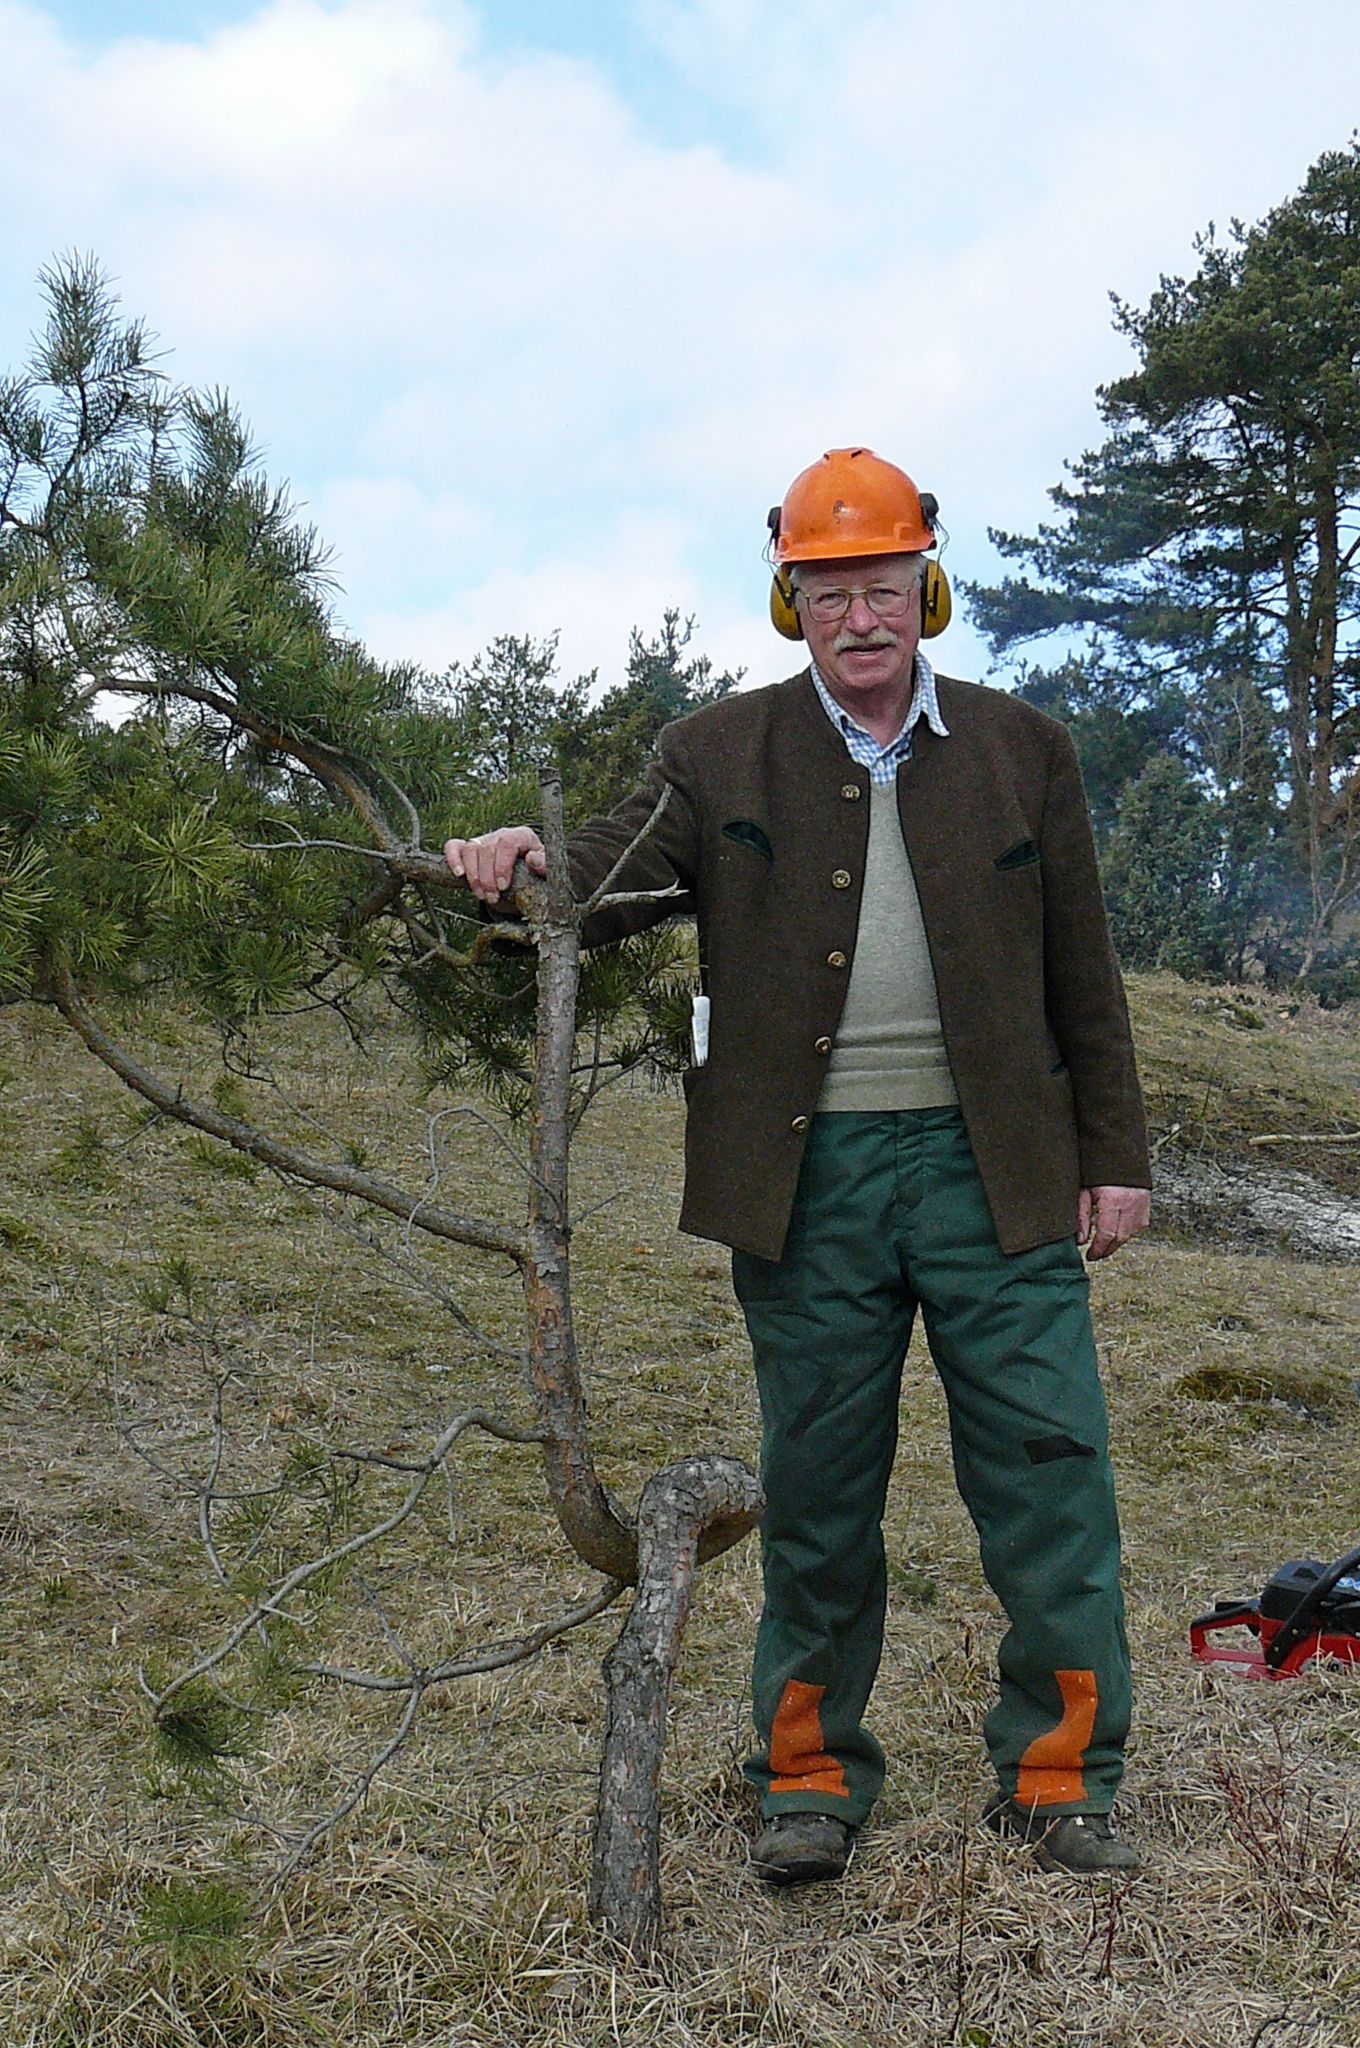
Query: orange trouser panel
[798,1758]
[1050,1769]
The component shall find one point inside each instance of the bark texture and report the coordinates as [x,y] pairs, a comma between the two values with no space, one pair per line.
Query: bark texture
[595,1526]
[677,1507]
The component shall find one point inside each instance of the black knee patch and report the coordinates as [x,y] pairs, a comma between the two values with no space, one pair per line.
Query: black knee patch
[808,1413]
[1046,1450]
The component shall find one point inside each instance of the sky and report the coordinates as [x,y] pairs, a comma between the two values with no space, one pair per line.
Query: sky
[539,307]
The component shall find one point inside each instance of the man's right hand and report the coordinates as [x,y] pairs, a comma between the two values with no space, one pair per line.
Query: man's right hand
[486,864]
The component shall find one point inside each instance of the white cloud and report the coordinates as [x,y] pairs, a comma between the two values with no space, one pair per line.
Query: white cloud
[594,601]
[529,364]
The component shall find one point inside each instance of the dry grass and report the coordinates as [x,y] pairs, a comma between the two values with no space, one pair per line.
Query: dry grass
[449,1912]
[1221,1066]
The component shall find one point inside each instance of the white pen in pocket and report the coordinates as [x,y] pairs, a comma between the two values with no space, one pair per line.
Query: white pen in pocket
[698,1029]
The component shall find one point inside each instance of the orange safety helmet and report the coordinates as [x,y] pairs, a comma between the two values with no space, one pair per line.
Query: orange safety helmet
[849,503]
[852,502]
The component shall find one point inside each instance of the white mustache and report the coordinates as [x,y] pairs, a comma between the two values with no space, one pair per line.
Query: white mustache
[845,642]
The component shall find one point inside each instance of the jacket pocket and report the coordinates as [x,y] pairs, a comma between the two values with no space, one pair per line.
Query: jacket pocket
[743,832]
[1024,854]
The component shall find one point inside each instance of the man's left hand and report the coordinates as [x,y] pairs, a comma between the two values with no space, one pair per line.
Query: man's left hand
[1109,1217]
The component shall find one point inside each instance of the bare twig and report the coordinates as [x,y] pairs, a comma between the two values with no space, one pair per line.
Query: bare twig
[421,1277]
[592,1083]
[465,1110]
[303,1574]
[1307,1138]
[517,1651]
[672,889]
[489,936]
[506,1432]
[384,1620]
[208,1490]
[412,814]
[297,844]
[264,1074]
[127,1433]
[597,896]
[357,1792]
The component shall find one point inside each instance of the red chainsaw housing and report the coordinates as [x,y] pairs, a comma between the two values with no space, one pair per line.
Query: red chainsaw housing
[1250,1659]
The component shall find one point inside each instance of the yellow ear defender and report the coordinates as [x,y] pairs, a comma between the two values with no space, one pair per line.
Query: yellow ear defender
[783,612]
[937,605]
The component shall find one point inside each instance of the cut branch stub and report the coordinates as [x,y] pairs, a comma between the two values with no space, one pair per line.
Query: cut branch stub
[677,1507]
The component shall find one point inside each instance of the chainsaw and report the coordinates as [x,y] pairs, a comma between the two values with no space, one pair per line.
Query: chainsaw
[1307,1610]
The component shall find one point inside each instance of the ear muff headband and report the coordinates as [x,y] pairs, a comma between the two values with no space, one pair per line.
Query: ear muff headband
[937,605]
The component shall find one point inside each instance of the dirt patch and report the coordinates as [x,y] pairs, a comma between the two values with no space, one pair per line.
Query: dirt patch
[1251,1208]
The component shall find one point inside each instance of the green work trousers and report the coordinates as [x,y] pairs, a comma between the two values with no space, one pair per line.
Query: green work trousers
[890,1212]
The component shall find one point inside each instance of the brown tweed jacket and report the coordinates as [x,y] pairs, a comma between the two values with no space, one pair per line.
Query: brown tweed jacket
[766,830]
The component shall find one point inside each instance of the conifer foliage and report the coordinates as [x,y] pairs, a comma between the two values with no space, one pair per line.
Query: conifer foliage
[254,837]
[228,835]
[1207,558]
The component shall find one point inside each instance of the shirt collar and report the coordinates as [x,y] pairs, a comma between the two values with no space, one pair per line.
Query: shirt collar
[925,703]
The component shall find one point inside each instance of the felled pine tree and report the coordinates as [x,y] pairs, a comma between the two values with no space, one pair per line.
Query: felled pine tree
[253,838]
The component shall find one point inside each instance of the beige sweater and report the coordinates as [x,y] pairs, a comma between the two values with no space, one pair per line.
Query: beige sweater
[889,1051]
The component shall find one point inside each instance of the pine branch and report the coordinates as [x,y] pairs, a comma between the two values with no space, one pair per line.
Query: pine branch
[303,1574]
[415,1210]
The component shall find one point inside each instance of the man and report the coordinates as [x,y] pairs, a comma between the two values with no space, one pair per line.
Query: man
[919,1090]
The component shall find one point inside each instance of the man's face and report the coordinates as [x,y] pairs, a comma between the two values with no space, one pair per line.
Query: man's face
[862,652]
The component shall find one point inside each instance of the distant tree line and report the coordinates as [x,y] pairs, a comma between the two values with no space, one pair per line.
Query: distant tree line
[1200,582]
[512,715]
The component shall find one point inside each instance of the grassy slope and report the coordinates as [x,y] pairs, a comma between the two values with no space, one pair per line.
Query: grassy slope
[137,1271]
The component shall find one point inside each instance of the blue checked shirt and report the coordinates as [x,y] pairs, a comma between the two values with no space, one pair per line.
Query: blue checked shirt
[884,762]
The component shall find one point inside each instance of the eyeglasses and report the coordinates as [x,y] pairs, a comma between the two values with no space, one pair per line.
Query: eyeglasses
[883,600]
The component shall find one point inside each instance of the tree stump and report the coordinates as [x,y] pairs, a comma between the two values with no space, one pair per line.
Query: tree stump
[714,1497]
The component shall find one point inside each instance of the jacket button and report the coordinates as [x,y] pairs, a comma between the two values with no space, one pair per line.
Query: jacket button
[823,1045]
[836,959]
[841,879]
[800,1124]
[851,792]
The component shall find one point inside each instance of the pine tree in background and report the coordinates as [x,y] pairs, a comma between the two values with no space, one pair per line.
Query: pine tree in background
[604,752]
[1207,551]
[1160,872]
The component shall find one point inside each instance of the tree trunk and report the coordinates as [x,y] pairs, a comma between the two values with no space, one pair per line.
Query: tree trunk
[593,1524]
[677,1507]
